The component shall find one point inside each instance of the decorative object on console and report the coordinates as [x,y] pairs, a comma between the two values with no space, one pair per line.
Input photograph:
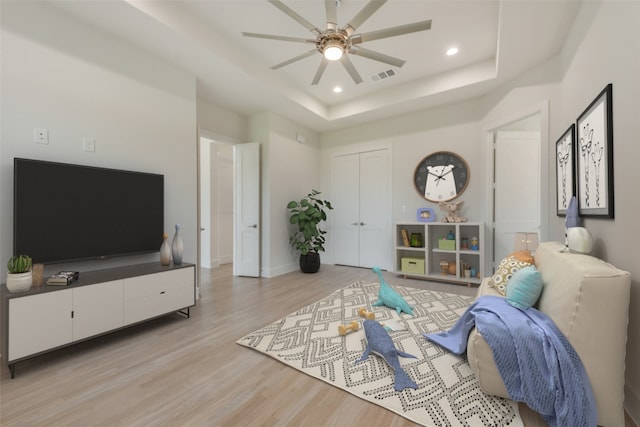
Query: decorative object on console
[19,273]
[38,274]
[441,176]
[63,278]
[452,210]
[177,247]
[594,159]
[565,167]
[165,250]
[579,240]
[426,215]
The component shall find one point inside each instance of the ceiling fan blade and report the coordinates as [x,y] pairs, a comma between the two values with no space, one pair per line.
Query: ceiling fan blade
[363,15]
[297,58]
[321,68]
[299,19]
[348,65]
[283,38]
[391,32]
[332,14]
[376,56]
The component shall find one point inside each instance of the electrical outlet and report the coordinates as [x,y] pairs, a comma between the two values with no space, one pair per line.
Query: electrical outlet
[89,144]
[40,136]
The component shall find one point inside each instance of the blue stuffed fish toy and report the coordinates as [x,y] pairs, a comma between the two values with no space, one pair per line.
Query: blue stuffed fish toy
[379,342]
[387,296]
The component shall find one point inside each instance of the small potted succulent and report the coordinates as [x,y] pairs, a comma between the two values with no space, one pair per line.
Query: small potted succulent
[19,275]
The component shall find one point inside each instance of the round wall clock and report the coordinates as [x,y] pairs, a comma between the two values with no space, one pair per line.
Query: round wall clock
[441,176]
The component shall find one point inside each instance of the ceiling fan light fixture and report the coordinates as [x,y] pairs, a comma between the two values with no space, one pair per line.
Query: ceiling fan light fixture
[333,51]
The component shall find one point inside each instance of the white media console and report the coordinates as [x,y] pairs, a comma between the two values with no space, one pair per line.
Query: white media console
[48,317]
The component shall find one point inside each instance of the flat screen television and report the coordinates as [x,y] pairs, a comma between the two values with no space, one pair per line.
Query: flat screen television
[66,212]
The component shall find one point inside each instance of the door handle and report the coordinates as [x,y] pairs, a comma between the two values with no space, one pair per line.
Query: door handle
[362,223]
[253,226]
[354,223]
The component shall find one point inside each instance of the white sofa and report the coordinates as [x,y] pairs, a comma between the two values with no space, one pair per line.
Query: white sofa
[588,299]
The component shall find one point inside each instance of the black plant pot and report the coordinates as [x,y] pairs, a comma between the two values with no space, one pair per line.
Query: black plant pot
[310,263]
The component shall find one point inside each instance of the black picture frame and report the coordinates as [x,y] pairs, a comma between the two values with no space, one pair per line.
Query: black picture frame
[565,170]
[594,157]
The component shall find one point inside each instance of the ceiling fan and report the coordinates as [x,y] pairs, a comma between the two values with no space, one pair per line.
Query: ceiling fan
[335,43]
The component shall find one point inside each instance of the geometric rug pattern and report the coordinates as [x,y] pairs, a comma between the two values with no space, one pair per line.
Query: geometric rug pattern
[448,393]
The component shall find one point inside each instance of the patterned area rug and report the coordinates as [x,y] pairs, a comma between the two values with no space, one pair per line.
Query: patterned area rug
[448,393]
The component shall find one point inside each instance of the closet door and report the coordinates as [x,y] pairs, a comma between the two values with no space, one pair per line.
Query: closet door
[361,191]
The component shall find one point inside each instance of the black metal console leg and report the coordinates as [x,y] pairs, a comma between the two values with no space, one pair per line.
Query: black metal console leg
[12,369]
[187,313]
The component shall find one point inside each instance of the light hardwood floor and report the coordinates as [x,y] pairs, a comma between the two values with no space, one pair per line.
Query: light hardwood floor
[174,371]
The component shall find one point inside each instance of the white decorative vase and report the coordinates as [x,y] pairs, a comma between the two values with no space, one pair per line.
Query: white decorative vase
[177,247]
[19,282]
[165,251]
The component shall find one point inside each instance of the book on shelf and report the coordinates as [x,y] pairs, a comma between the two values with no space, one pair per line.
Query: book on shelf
[405,237]
[63,278]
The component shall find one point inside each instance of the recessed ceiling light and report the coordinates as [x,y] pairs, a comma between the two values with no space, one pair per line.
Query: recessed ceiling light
[452,51]
[337,89]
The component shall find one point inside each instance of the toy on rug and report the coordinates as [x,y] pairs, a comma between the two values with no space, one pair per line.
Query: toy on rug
[387,296]
[351,327]
[369,315]
[452,210]
[379,342]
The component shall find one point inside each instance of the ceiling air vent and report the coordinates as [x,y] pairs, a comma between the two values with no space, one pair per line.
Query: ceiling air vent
[382,75]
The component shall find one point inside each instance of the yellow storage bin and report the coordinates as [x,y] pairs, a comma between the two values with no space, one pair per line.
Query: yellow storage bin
[412,265]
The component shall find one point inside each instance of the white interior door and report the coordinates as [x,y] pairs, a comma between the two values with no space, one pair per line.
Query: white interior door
[517,188]
[205,202]
[360,193]
[345,186]
[375,235]
[246,195]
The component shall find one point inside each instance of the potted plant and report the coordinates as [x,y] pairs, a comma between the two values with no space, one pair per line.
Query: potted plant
[19,275]
[309,240]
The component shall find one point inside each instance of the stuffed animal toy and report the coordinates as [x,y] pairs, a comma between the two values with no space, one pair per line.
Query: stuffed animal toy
[452,211]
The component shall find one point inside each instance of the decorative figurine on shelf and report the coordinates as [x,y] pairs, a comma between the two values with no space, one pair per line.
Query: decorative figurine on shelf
[451,236]
[444,266]
[464,243]
[475,244]
[452,210]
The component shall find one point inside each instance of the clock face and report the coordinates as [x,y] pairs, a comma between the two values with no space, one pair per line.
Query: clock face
[441,176]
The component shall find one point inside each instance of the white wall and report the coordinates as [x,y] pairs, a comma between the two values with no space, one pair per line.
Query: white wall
[290,170]
[77,82]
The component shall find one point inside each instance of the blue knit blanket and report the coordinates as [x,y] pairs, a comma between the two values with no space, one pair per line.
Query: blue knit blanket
[536,361]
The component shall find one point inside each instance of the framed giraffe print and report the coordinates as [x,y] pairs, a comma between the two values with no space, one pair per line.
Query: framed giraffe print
[594,157]
[565,168]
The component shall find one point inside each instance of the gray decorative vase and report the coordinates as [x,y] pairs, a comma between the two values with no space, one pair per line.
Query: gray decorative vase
[177,247]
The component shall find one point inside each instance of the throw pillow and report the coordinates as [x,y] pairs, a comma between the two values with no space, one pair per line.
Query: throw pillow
[507,268]
[525,288]
[523,255]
